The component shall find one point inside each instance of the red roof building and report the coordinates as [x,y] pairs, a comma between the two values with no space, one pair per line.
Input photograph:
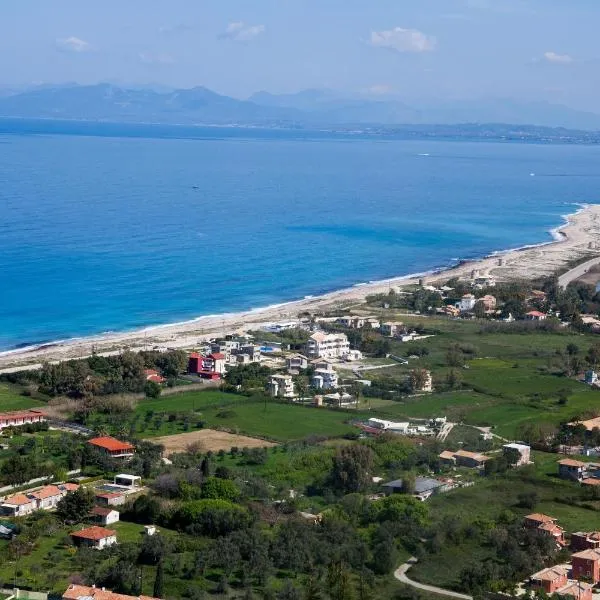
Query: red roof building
[153,375]
[19,418]
[207,367]
[95,537]
[586,565]
[84,592]
[113,447]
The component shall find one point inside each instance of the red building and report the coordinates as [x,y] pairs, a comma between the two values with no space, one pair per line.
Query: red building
[586,565]
[113,447]
[207,367]
[585,541]
[550,580]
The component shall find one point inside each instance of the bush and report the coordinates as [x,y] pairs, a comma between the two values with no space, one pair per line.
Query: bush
[220,489]
[152,389]
[209,517]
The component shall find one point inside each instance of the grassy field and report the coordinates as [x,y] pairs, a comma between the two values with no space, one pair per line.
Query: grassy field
[493,496]
[11,398]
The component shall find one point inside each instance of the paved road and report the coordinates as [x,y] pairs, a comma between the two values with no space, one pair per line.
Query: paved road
[400,575]
[566,278]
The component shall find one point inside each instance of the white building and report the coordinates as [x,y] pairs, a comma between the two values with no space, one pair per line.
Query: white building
[467,303]
[129,481]
[353,355]
[391,329]
[388,425]
[523,450]
[325,379]
[296,362]
[327,345]
[281,386]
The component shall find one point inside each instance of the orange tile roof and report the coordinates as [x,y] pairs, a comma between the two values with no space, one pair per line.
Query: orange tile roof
[18,500]
[94,533]
[76,592]
[591,481]
[473,455]
[570,462]
[46,492]
[591,554]
[575,589]
[69,487]
[447,455]
[550,574]
[540,518]
[111,444]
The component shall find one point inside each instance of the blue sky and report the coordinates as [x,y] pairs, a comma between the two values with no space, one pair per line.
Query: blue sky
[412,49]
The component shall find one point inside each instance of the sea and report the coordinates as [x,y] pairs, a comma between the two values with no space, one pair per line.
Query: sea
[108,227]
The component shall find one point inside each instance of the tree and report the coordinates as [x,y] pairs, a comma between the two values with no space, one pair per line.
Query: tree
[385,555]
[572,349]
[479,310]
[408,483]
[75,506]
[418,378]
[593,355]
[288,592]
[527,500]
[352,467]
[152,389]
[220,489]
[159,580]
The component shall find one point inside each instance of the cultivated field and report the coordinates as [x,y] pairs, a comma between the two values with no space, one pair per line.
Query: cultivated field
[209,439]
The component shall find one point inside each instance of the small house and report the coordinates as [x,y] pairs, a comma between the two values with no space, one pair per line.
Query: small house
[569,468]
[94,537]
[84,592]
[585,541]
[550,580]
[110,499]
[586,565]
[296,363]
[471,460]
[535,315]
[104,515]
[129,481]
[113,447]
[523,450]
[18,505]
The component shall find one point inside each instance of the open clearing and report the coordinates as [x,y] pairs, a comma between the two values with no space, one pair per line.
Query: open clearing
[210,439]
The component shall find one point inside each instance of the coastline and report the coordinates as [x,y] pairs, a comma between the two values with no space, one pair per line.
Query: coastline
[577,238]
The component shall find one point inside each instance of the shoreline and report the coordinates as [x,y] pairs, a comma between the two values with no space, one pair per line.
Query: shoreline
[577,238]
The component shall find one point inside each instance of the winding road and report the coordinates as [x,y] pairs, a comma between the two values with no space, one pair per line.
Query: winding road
[400,575]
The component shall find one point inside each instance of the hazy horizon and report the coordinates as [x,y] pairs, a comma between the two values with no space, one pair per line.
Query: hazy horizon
[414,51]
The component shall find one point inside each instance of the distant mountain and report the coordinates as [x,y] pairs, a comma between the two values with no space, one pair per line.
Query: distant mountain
[309,108]
[107,102]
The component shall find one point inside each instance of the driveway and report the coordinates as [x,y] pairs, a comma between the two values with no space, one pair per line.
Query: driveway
[400,575]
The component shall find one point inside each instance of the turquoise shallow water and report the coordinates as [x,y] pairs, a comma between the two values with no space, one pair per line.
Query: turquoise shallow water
[112,230]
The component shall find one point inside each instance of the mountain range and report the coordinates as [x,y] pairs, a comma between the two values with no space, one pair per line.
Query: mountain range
[308,108]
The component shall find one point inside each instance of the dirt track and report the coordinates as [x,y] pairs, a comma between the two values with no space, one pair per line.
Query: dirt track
[209,439]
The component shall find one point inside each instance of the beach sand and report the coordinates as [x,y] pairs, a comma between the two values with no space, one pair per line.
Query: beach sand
[576,240]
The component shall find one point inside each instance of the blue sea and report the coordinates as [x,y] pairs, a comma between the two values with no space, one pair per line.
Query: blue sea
[111,227]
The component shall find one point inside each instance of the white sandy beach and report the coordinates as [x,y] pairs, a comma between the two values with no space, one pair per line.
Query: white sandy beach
[577,239]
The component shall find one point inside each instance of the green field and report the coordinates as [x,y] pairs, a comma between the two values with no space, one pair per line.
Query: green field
[12,398]
[488,499]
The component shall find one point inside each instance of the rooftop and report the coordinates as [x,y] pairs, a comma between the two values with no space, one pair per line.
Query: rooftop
[81,592]
[111,444]
[571,462]
[17,500]
[591,554]
[550,574]
[94,533]
[540,518]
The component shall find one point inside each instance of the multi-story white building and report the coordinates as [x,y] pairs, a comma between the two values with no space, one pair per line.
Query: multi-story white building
[325,379]
[467,303]
[281,386]
[327,345]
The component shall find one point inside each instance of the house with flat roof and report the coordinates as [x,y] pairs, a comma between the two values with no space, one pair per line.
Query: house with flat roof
[281,386]
[425,487]
[94,537]
[113,447]
[523,450]
[129,481]
[471,460]
[110,498]
[325,379]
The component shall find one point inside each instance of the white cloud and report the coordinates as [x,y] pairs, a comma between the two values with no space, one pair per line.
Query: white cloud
[241,32]
[558,59]
[155,59]
[403,40]
[73,44]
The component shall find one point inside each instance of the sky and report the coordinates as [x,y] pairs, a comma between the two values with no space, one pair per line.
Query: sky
[425,50]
